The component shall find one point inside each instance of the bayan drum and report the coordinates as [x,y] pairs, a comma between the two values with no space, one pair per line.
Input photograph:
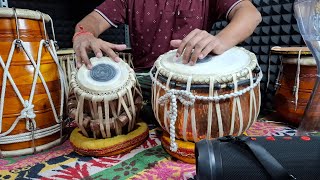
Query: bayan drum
[32,84]
[218,96]
[108,103]
[295,82]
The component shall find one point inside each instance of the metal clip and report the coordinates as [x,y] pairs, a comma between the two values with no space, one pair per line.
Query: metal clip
[55,43]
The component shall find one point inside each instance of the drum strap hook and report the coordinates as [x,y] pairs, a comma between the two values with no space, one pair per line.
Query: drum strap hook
[17,24]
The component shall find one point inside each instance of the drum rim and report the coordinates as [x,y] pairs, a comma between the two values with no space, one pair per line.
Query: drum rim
[23,13]
[68,51]
[100,96]
[217,86]
[205,79]
[290,50]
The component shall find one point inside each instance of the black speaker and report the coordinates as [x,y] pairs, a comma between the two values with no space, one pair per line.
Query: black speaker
[258,158]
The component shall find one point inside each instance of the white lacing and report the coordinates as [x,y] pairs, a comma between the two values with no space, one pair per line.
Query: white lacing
[188,99]
[297,82]
[27,112]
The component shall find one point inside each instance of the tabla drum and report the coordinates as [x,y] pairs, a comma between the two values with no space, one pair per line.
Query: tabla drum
[67,60]
[126,56]
[295,82]
[32,86]
[218,96]
[108,105]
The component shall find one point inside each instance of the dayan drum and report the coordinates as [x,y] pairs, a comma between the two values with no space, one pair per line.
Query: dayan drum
[295,82]
[109,101]
[67,60]
[32,86]
[216,97]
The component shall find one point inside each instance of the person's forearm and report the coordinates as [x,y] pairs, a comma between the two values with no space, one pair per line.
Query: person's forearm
[244,18]
[93,23]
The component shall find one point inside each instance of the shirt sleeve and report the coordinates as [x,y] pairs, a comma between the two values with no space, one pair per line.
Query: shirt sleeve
[223,8]
[113,11]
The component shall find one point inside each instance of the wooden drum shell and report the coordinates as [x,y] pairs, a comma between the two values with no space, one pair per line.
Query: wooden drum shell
[284,100]
[22,72]
[201,114]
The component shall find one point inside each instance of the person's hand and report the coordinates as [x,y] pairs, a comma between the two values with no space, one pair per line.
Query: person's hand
[87,42]
[197,45]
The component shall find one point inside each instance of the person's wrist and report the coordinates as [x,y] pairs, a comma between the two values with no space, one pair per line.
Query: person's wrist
[81,32]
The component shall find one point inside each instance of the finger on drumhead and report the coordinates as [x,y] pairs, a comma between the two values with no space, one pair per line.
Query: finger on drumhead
[79,63]
[85,59]
[186,40]
[78,58]
[176,43]
[97,51]
[111,53]
[208,49]
[200,46]
[194,57]
[118,47]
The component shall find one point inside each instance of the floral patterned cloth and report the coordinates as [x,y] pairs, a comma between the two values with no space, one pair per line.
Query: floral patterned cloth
[148,161]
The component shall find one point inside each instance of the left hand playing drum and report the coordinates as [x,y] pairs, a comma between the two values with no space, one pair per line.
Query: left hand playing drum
[197,45]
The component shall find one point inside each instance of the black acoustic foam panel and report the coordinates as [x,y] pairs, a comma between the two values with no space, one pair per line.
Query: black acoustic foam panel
[278,28]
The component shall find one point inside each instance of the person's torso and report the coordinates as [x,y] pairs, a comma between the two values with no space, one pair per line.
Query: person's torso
[155,23]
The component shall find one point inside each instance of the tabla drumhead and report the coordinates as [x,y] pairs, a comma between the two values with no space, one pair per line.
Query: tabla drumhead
[290,50]
[105,75]
[233,61]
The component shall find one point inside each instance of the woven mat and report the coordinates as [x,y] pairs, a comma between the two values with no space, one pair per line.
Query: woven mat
[148,161]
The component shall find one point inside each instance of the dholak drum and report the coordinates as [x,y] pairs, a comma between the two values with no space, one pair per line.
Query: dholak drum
[32,88]
[108,103]
[295,82]
[216,97]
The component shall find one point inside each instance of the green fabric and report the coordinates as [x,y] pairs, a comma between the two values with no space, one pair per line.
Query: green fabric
[143,160]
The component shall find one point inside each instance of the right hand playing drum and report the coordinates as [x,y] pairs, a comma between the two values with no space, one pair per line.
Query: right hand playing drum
[85,40]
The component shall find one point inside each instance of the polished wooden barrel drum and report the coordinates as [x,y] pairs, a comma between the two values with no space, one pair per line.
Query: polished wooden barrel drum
[295,82]
[108,103]
[31,102]
[218,96]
